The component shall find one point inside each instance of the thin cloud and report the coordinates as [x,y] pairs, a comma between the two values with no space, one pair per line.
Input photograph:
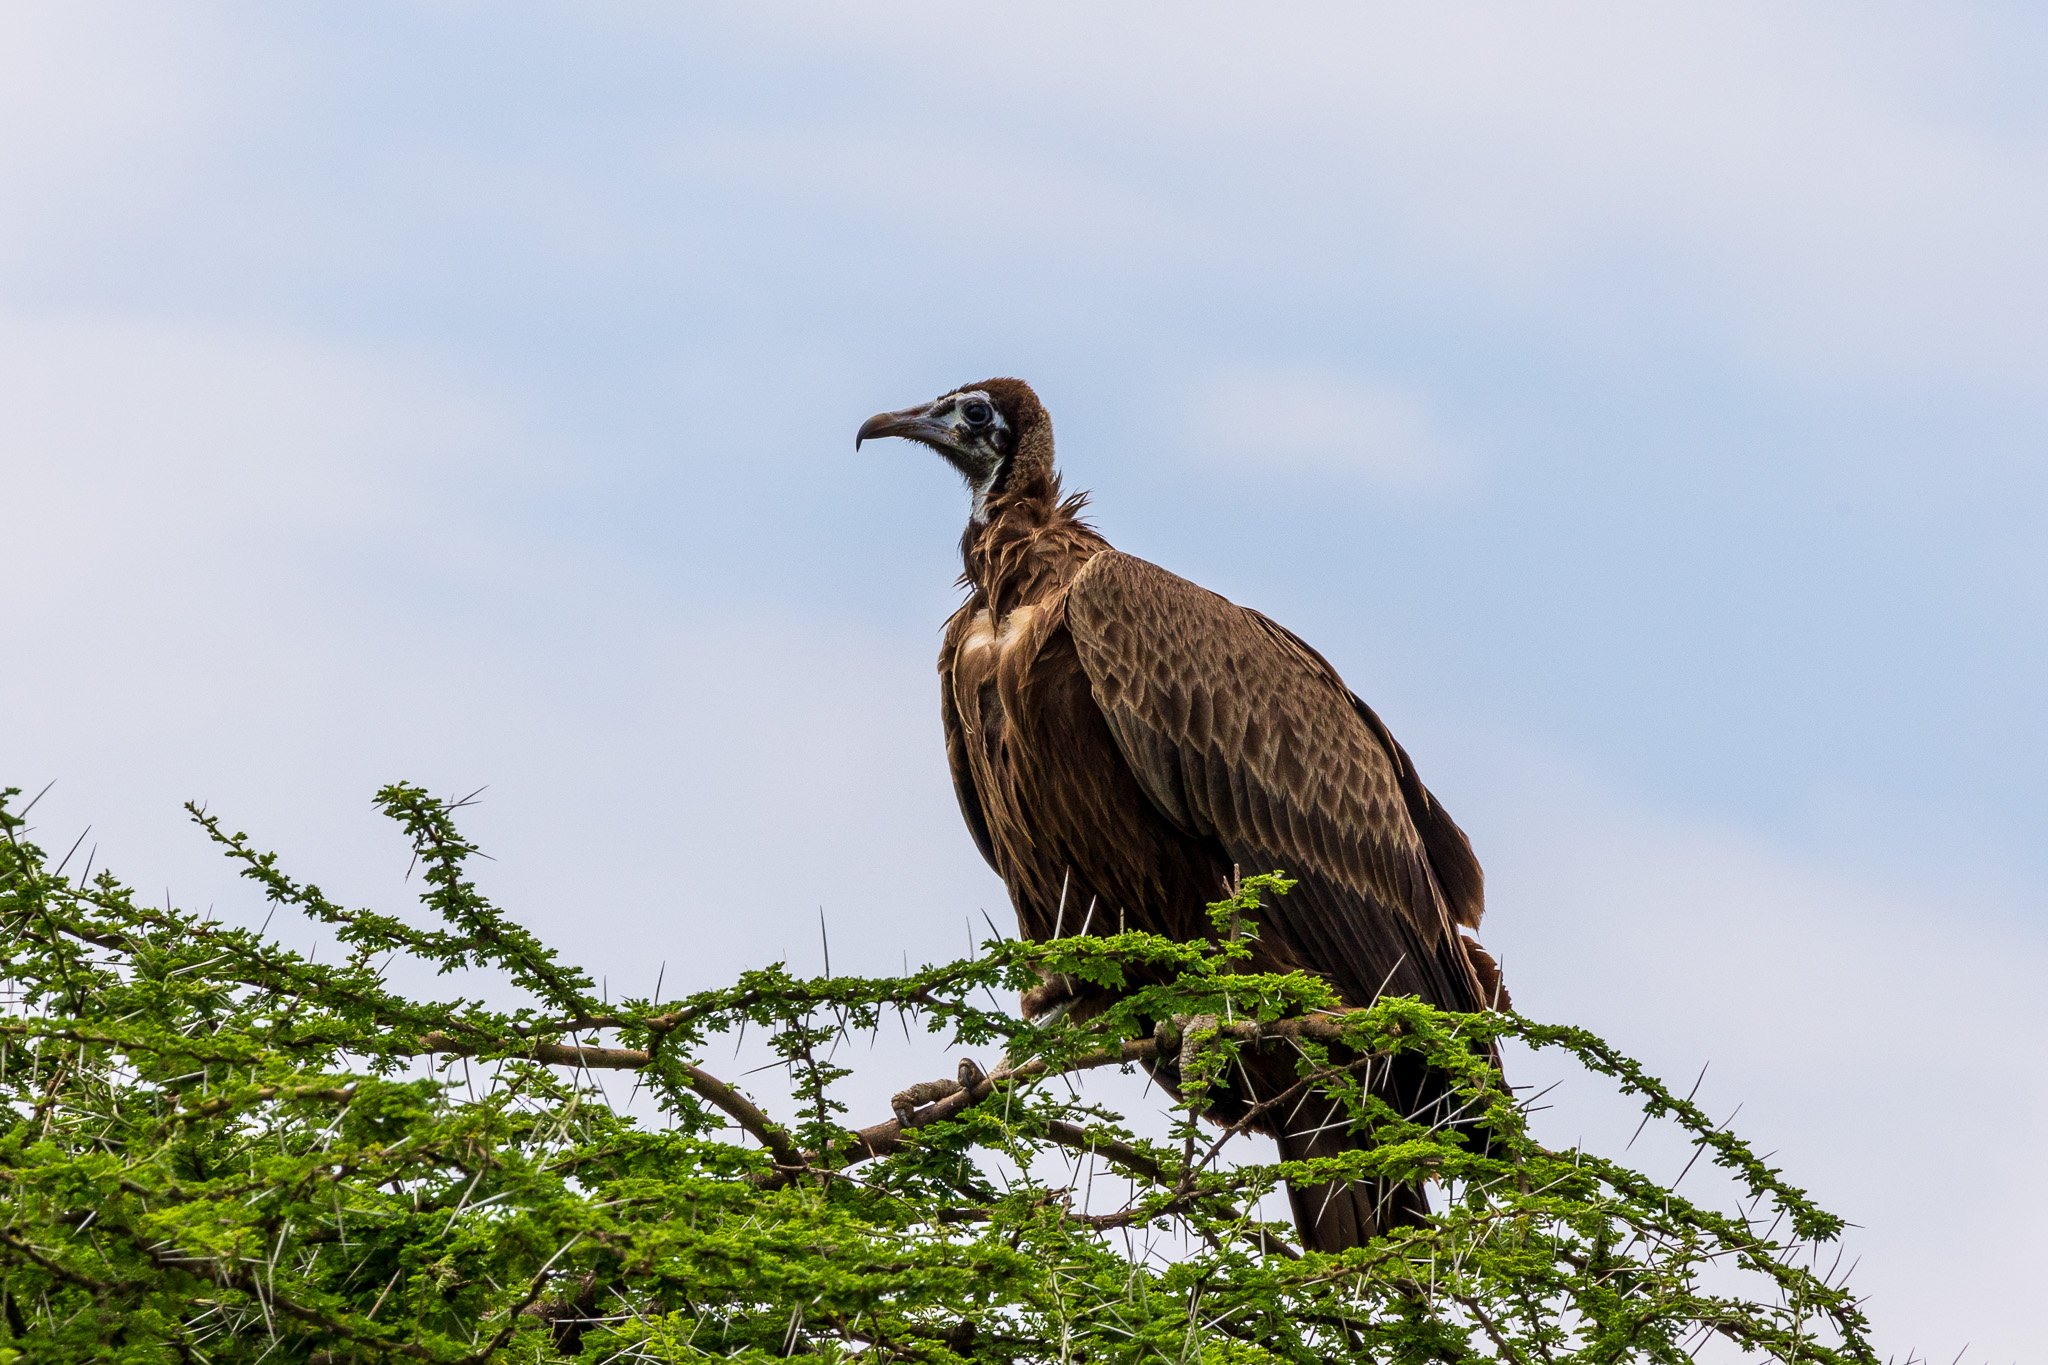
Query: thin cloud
[1801,180]
[1300,421]
[160,456]
[1853,1020]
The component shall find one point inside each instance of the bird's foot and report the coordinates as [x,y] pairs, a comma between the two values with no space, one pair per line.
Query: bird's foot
[906,1103]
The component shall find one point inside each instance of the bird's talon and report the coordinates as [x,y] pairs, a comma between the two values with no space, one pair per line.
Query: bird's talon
[905,1103]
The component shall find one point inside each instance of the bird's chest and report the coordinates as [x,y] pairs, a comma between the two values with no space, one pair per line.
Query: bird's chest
[1031,725]
[1058,799]
[997,694]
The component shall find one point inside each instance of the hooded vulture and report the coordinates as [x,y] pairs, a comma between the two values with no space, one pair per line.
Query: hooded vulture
[1124,739]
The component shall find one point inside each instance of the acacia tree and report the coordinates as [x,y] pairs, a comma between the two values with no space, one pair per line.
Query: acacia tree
[213,1148]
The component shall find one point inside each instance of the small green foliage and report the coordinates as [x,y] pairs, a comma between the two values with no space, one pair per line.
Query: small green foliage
[213,1148]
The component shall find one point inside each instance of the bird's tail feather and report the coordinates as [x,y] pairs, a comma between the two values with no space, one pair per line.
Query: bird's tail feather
[1336,1214]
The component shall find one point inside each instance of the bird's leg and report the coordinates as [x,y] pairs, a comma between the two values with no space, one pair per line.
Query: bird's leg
[1049,1001]
[1044,1005]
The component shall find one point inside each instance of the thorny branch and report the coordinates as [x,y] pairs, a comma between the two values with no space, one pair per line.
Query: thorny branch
[227,1150]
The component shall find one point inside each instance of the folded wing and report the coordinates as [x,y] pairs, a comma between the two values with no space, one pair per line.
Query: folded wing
[1240,733]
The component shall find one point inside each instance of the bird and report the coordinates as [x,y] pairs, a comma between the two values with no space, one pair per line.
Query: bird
[1123,739]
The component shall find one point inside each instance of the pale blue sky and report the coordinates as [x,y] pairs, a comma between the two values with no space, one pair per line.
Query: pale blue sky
[1643,407]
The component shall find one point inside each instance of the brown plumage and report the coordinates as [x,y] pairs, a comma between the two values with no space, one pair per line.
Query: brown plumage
[1125,740]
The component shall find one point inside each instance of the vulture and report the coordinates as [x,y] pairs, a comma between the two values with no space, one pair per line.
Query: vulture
[1123,739]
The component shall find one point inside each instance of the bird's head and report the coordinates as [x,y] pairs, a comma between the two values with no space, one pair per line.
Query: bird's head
[993,432]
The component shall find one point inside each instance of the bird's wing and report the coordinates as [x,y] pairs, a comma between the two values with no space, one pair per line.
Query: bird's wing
[956,738]
[1240,733]
[1451,860]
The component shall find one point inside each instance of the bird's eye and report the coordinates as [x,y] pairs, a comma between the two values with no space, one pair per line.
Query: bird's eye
[977,412]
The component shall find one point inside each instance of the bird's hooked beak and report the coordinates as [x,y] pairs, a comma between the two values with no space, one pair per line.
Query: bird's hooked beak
[916,423]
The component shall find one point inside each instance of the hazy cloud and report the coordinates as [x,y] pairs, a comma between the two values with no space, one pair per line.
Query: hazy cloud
[1300,422]
[1804,180]
[1848,1018]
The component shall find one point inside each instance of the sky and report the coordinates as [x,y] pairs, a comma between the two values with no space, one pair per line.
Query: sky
[1642,406]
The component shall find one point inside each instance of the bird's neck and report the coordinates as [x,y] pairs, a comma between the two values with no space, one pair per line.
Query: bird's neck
[1028,542]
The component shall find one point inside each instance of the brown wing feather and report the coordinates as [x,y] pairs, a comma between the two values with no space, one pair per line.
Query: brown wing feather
[1450,855]
[1241,733]
[956,740]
